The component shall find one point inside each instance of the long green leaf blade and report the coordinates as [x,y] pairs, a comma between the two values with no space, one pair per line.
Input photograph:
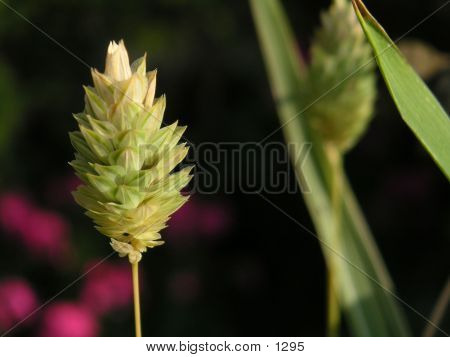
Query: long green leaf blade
[417,105]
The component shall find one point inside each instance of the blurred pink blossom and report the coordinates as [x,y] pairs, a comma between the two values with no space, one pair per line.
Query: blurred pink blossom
[107,287]
[184,286]
[17,301]
[215,218]
[15,209]
[201,218]
[68,319]
[184,221]
[44,234]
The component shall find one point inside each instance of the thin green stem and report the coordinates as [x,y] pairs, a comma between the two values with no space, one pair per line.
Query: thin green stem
[137,306]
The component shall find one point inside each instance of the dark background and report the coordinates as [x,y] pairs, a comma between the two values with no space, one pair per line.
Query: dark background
[261,275]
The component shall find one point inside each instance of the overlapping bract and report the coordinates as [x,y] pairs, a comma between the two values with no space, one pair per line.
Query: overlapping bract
[341,78]
[125,158]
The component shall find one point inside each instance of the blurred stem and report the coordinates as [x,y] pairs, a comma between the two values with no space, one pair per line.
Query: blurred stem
[137,306]
[334,314]
[438,311]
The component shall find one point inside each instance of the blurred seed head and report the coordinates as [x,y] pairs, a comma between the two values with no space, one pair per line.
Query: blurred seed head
[341,81]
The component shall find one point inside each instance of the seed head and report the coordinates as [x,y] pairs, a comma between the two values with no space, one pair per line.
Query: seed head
[125,158]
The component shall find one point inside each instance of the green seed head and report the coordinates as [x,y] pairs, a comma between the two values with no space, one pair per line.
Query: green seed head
[125,158]
[342,75]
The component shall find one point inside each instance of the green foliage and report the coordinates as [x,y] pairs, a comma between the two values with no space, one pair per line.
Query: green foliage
[361,278]
[417,105]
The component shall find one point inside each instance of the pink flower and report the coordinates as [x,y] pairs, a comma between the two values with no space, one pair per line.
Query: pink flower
[46,235]
[200,218]
[184,286]
[67,319]
[17,301]
[15,209]
[215,219]
[184,221]
[107,287]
